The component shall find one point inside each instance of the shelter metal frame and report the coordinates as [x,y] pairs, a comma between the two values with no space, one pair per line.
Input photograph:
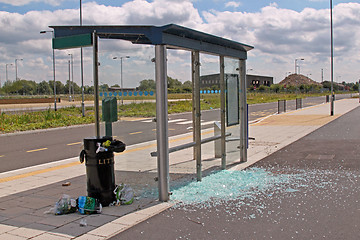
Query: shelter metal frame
[169,37]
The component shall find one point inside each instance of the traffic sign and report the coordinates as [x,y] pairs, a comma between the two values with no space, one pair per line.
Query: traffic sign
[75,41]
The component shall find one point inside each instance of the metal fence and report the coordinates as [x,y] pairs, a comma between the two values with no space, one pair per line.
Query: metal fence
[298,103]
[281,106]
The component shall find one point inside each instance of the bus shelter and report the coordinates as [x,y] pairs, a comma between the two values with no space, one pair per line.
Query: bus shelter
[172,37]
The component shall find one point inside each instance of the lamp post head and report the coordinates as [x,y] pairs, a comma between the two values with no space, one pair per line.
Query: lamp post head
[41,32]
[121,57]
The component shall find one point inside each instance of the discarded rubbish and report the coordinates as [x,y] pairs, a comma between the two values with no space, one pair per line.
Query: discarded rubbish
[114,146]
[83,223]
[200,223]
[100,148]
[124,194]
[88,205]
[65,205]
[65,184]
[117,146]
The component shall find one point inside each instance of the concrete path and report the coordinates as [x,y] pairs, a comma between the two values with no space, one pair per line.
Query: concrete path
[312,192]
[27,193]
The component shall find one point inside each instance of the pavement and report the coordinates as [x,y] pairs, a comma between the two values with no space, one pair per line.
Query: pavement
[304,141]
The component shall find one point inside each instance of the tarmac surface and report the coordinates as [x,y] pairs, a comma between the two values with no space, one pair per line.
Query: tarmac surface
[301,181]
[322,203]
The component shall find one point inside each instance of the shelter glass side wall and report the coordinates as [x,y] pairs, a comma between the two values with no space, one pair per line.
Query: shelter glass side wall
[232,78]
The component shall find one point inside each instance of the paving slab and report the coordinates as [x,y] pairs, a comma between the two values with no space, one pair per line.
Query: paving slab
[32,191]
[316,197]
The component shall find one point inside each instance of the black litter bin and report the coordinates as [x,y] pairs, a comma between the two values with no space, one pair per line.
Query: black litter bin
[100,167]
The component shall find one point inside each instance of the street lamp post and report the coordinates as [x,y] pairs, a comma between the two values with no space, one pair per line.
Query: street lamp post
[7,64]
[53,53]
[69,82]
[322,75]
[16,75]
[72,76]
[296,65]
[121,77]
[332,61]
[82,69]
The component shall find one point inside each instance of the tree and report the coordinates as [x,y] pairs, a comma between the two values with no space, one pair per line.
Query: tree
[173,83]
[355,87]
[147,85]
[275,88]
[104,87]
[89,90]
[77,89]
[187,86]
[44,88]
[60,87]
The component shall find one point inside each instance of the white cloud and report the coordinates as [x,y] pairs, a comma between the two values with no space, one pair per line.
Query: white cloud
[279,36]
[233,4]
[286,34]
[273,4]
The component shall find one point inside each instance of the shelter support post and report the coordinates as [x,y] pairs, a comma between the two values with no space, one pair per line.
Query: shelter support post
[162,122]
[96,83]
[243,111]
[222,112]
[193,98]
[197,112]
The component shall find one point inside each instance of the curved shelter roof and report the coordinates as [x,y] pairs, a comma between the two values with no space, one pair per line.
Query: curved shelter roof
[174,36]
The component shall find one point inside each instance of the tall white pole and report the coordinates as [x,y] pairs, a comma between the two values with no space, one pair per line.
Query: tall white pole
[69,82]
[96,83]
[7,79]
[72,77]
[82,69]
[121,81]
[322,75]
[16,69]
[121,76]
[71,88]
[332,61]
[53,53]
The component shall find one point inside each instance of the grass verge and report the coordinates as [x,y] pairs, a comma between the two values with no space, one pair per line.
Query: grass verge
[14,122]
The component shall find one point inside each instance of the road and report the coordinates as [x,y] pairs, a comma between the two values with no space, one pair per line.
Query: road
[43,146]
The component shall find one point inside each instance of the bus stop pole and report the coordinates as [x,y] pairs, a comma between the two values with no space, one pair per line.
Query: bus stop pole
[222,113]
[243,111]
[162,122]
[96,83]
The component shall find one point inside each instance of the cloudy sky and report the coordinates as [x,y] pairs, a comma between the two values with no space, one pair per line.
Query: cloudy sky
[281,31]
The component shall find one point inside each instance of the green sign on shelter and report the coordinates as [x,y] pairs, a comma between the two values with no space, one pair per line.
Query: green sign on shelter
[75,41]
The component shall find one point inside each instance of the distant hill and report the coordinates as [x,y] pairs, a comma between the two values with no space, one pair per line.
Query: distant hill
[297,80]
